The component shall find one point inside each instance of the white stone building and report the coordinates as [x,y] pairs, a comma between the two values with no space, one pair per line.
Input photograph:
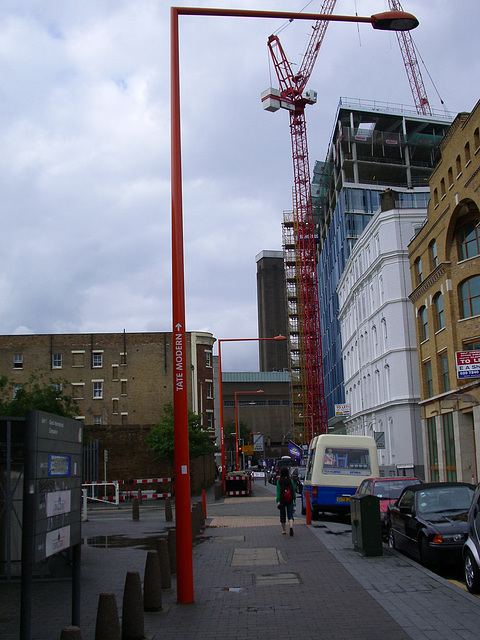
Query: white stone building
[378,337]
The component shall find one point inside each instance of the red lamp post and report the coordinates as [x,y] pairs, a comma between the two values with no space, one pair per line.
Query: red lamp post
[236,421]
[391,20]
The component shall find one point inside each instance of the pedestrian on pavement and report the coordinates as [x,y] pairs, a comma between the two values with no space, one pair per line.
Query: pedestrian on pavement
[285,499]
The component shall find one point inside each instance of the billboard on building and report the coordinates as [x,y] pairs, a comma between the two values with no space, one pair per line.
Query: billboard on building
[468,364]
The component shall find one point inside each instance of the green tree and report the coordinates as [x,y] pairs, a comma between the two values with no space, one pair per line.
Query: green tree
[161,437]
[40,392]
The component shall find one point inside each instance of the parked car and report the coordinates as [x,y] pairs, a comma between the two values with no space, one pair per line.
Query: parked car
[387,490]
[471,548]
[298,476]
[429,521]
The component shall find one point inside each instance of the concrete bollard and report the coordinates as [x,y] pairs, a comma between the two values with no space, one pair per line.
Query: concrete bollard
[218,490]
[108,625]
[195,519]
[139,496]
[71,633]
[152,583]
[135,510]
[162,548]
[168,510]
[133,625]
[172,550]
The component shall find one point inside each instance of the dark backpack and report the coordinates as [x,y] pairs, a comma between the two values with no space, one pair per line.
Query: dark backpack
[287,492]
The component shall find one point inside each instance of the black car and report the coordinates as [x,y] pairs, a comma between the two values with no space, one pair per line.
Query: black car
[471,548]
[429,521]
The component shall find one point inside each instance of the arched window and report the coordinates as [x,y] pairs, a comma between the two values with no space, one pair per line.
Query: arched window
[470,297]
[433,254]
[438,311]
[423,323]
[418,271]
[468,241]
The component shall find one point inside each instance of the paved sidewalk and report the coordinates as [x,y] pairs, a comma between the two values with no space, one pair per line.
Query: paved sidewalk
[250,581]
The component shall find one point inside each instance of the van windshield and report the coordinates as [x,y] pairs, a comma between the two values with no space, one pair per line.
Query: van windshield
[346,461]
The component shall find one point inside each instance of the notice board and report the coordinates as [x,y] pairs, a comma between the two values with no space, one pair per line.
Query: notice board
[53,471]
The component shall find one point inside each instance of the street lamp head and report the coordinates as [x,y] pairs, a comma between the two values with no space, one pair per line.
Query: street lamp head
[394,21]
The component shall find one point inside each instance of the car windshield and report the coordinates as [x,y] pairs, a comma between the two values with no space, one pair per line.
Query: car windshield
[391,489]
[442,499]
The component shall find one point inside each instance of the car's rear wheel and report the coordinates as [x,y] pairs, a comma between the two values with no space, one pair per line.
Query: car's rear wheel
[472,573]
[391,538]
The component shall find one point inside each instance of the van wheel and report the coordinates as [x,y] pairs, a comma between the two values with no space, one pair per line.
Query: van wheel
[472,573]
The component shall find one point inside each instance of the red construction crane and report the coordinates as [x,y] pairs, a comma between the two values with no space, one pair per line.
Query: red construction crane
[291,96]
[410,61]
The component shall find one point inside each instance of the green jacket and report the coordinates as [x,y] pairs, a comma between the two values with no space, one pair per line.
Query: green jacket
[279,490]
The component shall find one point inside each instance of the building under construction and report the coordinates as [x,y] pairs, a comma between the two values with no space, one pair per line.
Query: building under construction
[373,146]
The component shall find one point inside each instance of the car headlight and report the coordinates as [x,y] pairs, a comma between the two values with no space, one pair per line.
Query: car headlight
[457,538]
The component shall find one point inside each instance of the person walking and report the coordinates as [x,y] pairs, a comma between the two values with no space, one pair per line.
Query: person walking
[285,499]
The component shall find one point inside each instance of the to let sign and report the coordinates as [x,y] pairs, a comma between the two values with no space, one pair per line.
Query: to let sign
[468,364]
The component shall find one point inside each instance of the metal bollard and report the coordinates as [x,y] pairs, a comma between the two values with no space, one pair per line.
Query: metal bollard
[168,510]
[133,625]
[135,510]
[71,633]
[107,625]
[162,548]
[172,550]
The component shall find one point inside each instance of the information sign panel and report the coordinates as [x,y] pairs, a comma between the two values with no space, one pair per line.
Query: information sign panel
[468,364]
[55,446]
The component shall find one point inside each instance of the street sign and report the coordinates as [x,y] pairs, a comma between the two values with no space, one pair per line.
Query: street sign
[468,364]
[379,439]
[258,442]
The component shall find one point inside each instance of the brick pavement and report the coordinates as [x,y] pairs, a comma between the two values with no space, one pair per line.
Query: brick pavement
[250,581]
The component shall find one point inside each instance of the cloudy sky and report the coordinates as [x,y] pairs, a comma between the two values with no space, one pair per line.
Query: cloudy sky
[85,151]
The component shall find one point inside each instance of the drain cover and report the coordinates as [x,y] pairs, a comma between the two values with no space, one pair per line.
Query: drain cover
[256,556]
[277,578]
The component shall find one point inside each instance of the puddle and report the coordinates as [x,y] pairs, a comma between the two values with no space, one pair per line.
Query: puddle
[121,542]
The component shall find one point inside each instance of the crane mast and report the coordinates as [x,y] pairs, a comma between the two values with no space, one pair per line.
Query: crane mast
[308,397]
[412,68]
[306,361]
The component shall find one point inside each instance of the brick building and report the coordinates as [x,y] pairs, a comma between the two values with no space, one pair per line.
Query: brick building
[121,381]
[444,261]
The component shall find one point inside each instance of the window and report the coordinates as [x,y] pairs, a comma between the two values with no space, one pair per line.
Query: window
[435,197]
[433,449]
[433,254]
[78,358]
[476,139]
[427,379]
[78,390]
[115,405]
[124,418]
[56,360]
[468,156]
[123,358]
[471,345]
[470,297]
[449,442]
[123,385]
[458,165]
[442,187]
[208,358]
[209,389]
[97,420]
[98,389]
[443,370]
[114,371]
[97,360]
[423,322]
[438,311]
[18,361]
[15,389]
[468,241]
[450,177]
[418,271]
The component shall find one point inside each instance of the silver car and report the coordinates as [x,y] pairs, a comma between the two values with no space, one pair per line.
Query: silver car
[471,548]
